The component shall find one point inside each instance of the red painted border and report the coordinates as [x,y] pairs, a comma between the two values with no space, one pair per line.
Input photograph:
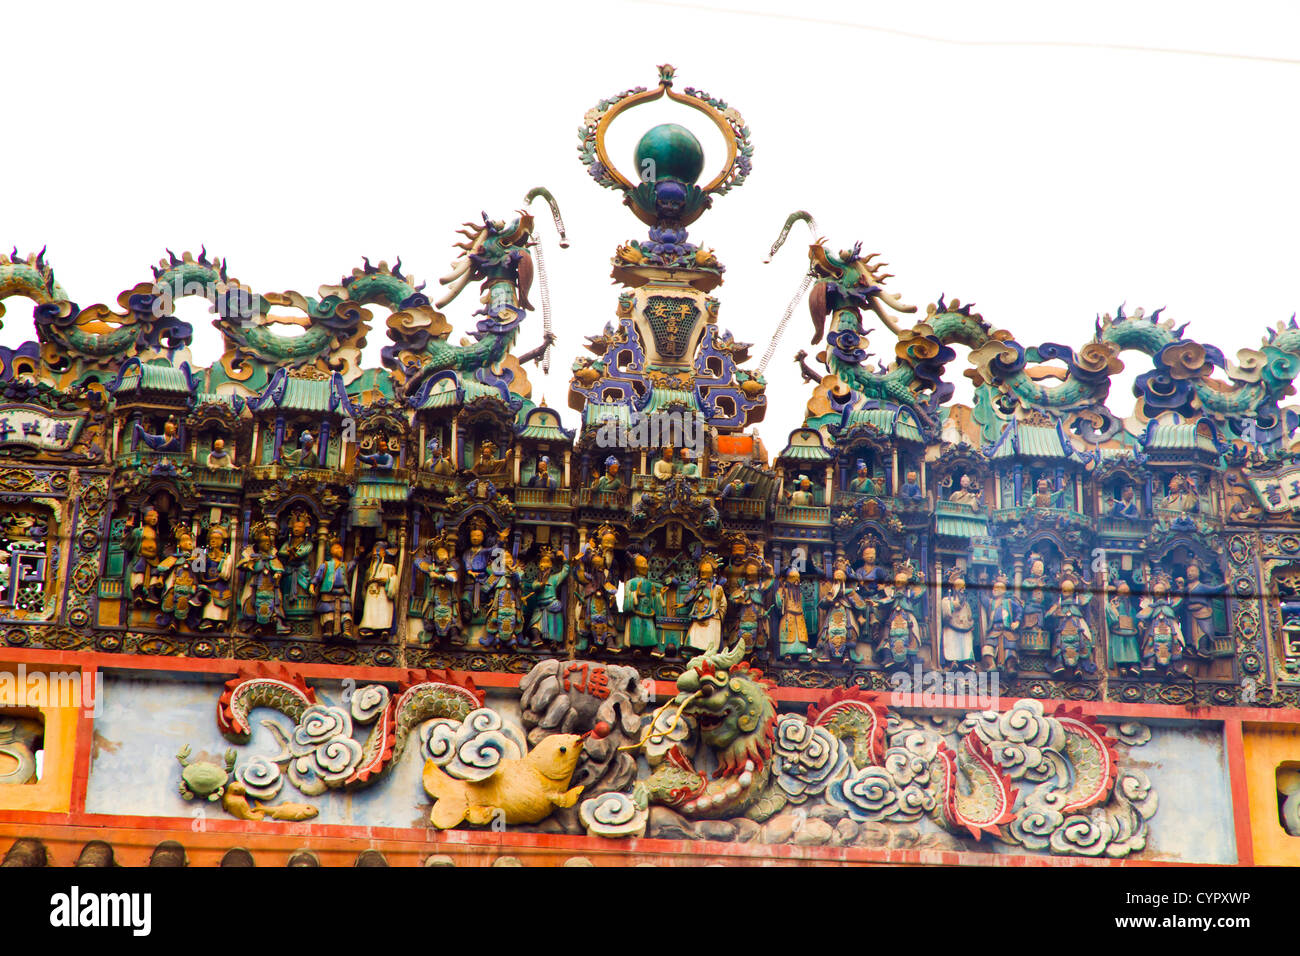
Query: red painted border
[85,743]
[491,679]
[687,851]
[1235,751]
[298,835]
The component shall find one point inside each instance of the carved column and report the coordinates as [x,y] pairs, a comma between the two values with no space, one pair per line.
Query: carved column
[321,531]
[322,452]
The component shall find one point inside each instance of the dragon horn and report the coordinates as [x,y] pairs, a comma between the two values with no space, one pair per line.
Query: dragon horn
[730,658]
[455,289]
[459,268]
[894,302]
[885,317]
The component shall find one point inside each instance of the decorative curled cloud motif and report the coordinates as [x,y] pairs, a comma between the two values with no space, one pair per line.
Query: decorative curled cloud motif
[1096,425]
[1037,819]
[322,749]
[1113,832]
[874,794]
[907,767]
[261,777]
[668,731]
[471,749]
[613,814]
[847,346]
[1133,733]
[1160,391]
[996,359]
[903,789]
[1279,369]
[921,348]
[1096,361]
[914,740]
[369,702]
[1186,360]
[867,794]
[1250,365]
[499,320]
[1025,742]
[810,758]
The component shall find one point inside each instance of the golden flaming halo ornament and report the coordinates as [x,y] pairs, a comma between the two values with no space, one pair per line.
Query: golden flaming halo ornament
[669,192]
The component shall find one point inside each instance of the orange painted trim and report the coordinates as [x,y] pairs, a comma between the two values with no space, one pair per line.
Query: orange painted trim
[133,839]
[54,790]
[1235,747]
[162,664]
[84,744]
[1266,748]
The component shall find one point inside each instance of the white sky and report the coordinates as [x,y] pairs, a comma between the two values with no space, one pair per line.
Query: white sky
[1015,158]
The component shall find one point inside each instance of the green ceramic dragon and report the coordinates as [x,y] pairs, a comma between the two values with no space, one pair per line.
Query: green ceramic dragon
[846,284]
[767,761]
[497,254]
[732,705]
[82,344]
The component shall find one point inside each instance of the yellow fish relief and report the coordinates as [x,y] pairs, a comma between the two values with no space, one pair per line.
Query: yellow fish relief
[525,790]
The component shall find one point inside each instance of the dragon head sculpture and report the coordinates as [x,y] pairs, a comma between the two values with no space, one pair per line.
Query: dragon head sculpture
[849,281]
[494,252]
[732,706]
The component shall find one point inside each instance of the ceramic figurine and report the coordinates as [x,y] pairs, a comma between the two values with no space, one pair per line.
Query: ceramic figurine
[1002,621]
[218,458]
[706,604]
[543,477]
[597,617]
[546,623]
[792,631]
[295,553]
[331,586]
[442,608]
[842,610]
[748,599]
[262,605]
[180,595]
[380,590]
[957,614]
[215,581]
[1122,626]
[642,606]
[609,481]
[143,554]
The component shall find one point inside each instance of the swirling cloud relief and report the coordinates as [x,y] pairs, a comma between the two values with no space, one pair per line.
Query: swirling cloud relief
[471,749]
